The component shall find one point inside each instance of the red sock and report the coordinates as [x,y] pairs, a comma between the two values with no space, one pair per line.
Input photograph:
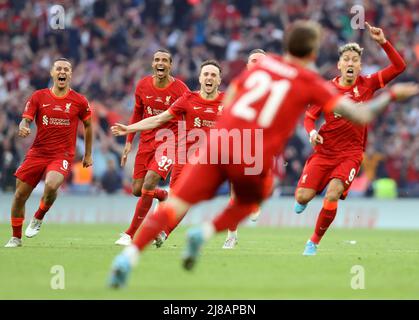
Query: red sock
[165,215]
[43,209]
[232,215]
[141,210]
[160,194]
[17,227]
[325,218]
[173,224]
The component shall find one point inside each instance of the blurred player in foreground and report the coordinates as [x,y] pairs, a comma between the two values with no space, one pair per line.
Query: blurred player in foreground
[263,103]
[339,145]
[232,235]
[56,112]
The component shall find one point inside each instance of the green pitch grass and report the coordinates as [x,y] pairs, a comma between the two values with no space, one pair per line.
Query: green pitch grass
[267,264]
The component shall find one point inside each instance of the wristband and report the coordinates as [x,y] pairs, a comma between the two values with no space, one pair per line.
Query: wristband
[312,133]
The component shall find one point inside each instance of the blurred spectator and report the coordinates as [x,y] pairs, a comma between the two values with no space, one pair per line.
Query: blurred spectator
[111,180]
[81,178]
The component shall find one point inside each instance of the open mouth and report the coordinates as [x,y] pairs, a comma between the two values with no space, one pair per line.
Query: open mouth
[62,79]
[350,72]
[209,85]
[160,70]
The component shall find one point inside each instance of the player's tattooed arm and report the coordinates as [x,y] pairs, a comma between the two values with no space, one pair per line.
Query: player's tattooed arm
[366,112]
[88,142]
[24,127]
[146,124]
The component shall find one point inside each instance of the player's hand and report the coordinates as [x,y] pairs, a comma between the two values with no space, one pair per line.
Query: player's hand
[376,34]
[403,91]
[24,129]
[87,161]
[124,156]
[315,139]
[119,129]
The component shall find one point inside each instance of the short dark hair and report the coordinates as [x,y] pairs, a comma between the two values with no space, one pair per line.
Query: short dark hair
[165,51]
[210,62]
[62,59]
[257,51]
[302,38]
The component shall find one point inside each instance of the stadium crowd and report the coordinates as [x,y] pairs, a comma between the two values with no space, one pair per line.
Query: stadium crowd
[111,44]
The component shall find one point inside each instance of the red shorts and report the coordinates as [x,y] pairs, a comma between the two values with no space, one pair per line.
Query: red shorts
[200,182]
[320,169]
[174,177]
[145,160]
[34,168]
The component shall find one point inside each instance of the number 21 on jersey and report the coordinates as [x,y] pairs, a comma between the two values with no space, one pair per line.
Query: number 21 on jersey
[258,85]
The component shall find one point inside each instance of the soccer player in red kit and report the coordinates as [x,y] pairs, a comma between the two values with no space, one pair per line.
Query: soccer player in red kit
[339,145]
[154,94]
[199,110]
[232,235]
[56,112]
[263,103]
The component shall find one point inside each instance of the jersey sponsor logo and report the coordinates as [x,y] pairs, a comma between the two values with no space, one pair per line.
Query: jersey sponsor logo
[197,122]
[55,121]
[59,122]
[27,106]
[67,107]
[303,180]
[153,112]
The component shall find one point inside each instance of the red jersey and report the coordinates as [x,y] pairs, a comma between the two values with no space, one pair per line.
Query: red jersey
[57,120]
[197,112]
[151,101]
[342,137]
[272,96]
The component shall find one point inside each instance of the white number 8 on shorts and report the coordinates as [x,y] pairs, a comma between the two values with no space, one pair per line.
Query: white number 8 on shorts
[351,176]
[65,164]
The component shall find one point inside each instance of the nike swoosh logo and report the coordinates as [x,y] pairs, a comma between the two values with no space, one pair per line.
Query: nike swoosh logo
[148,97]
[196,108]
[46,105]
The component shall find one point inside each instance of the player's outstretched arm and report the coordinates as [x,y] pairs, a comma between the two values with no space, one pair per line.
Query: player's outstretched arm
[366,112]
[88,143]
[24,128]
[397,66]
[146,124]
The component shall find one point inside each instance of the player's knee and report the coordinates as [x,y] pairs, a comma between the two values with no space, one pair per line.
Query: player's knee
[136,191]
[333,195]
[21,195]
[51,187]
[151,183]
[303,196]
